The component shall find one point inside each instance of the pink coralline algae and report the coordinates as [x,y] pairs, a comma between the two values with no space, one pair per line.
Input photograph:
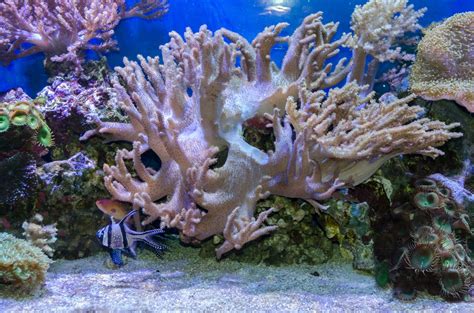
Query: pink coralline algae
[63,29]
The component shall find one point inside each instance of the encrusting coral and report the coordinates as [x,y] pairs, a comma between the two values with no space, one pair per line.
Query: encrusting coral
[193,105]
[22,266]
[444,67]
[39,235]
[63,29]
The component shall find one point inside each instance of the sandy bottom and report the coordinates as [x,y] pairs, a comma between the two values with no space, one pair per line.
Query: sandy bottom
[181,281]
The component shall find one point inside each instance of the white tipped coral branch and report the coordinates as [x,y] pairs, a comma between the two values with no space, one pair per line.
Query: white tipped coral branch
[240,231]
[378,25]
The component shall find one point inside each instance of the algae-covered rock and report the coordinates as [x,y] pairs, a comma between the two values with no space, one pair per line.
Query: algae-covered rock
[22,266]
[307,236]
[69,189]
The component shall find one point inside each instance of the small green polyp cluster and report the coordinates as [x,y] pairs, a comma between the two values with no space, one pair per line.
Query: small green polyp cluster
[26,113]
[438,226]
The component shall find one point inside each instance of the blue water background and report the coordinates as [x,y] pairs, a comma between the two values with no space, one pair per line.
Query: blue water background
[136,36]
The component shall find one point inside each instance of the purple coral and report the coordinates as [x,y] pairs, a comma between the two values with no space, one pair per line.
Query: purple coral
[63,29]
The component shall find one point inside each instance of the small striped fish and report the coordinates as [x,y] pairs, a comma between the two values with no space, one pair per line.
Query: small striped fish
[118,237]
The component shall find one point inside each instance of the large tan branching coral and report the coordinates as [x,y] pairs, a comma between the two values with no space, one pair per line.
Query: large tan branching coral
[192,105]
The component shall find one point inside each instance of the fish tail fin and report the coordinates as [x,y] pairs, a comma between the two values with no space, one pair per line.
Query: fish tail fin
[157,246]
[153,232]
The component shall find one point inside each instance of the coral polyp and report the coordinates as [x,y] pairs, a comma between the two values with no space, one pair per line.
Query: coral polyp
[422,258]
[45,136]
[425,235]
[4,122]
[448,261]
[452,282]
[435,256]
[26,113]
[427,200]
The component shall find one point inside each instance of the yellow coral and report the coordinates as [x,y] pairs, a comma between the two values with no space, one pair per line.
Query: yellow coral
[22,266]
[444,67]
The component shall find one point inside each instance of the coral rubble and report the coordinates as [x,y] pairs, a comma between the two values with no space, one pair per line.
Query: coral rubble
[193,105]
[68,190]
[444,67]
[64,29]
[22,266]
[39,235]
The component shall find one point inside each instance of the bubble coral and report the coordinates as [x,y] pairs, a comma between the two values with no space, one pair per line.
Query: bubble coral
[444,67]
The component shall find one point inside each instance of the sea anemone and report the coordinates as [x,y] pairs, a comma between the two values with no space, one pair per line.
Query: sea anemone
[460,252]
[422,258]
[4,123]
[426,184]
[449,207]
[443,224]
[446,244]
[452,283]
[427,200]
[448,261]
[444,192]
[45,136]
[425,235]
[463,223]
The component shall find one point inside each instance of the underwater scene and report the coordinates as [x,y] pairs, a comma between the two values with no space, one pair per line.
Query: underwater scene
[236,156]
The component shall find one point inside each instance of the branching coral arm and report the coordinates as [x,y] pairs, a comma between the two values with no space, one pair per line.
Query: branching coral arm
[238,231]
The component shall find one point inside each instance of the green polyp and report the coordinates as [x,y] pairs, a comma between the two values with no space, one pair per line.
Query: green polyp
[426,184]
[448,262]
[33,121]
[382,274]
[19,119]
[445,192]
[451,282]
[426,200]
[450,208]
[428,239]
[4,123]
[447,244]
[422,258]
[460,252]
[45,137]
[443,224]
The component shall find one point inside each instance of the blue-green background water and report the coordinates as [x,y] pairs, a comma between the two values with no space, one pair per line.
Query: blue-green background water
[136,36]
